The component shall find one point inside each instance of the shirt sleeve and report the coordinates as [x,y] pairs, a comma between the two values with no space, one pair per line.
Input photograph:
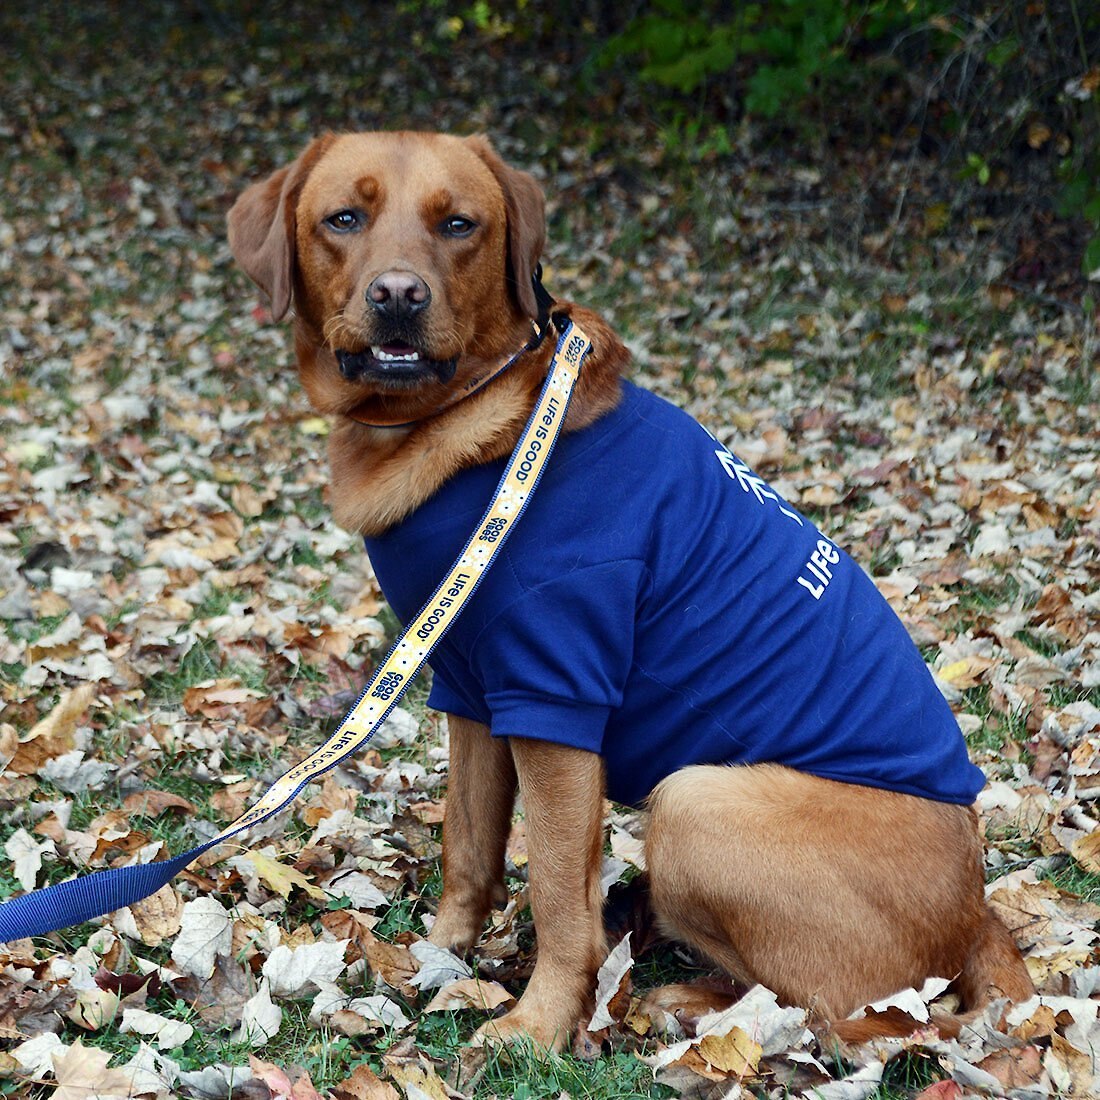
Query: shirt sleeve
[555,661]
[448,700]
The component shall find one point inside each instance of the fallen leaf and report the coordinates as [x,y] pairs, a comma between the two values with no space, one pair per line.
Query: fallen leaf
[261,1018]
[94,1008]
[293,971]
[35,1056]
[363,1084]
[609,984]
[278,1081]
[54,735]
[734,1053]
[157,917]
[82,1073]
[469,993]
[26,856]
[941,1090]
[280,878]
[167,1034]
[153,803]
[437,966]
[206,932]
[419,1082]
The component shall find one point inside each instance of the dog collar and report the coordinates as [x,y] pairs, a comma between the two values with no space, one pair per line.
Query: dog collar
[539,328]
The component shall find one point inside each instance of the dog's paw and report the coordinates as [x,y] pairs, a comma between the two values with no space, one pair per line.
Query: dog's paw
[458,923]
[455,931]
[683,1004]
[545,1035]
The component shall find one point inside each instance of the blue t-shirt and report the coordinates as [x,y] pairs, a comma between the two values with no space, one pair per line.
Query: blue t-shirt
[660,605]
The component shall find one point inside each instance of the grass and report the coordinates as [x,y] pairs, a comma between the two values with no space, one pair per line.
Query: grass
[1077,881]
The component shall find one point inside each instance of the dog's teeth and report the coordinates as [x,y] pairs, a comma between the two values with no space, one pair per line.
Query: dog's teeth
[386,357]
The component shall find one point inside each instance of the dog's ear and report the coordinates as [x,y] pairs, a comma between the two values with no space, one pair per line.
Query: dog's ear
[262,227]
[526,207]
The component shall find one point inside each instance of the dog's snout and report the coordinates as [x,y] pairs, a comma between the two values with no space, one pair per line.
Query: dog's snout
[398,293]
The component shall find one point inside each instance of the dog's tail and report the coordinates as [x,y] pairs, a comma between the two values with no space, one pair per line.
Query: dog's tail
[994,969]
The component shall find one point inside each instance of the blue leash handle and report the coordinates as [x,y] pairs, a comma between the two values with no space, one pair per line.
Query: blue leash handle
[79,899]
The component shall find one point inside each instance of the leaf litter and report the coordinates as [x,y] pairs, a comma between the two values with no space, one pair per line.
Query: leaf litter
[180,620]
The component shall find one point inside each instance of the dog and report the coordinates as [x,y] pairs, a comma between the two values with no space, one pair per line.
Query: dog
[662,628]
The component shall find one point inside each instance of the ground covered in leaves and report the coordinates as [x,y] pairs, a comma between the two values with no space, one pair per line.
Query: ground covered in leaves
[180,620]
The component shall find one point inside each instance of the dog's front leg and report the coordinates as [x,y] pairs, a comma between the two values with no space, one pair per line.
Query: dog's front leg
[563,792]
[481,793]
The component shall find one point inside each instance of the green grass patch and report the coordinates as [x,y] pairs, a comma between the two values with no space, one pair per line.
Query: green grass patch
[908,1074]
[1077,881]
[523,1072]
[405,914]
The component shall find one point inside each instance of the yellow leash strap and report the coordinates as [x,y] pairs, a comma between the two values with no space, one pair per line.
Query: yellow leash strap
[76,900]
[411,651]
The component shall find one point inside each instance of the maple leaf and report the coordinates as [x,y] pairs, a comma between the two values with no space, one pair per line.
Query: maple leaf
[469,993]
[279,1082]
[83,1071]
[292,971]
[733,1053]
[261,1018]
[278,876]
[609,981]
[206,931]
[27,855]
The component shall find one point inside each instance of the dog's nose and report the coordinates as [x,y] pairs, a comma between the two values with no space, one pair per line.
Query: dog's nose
[398,293]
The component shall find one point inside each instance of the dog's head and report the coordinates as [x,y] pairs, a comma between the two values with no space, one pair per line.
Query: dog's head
[403,254]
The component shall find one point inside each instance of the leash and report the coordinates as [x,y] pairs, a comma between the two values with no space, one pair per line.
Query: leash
[79,899]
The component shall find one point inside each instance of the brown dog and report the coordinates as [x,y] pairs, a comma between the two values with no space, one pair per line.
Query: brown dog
[408,260]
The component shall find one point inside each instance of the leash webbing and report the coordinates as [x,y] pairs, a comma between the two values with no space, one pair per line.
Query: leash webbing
[80,899]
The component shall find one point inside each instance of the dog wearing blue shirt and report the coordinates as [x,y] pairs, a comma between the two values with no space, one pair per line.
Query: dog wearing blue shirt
[661,629]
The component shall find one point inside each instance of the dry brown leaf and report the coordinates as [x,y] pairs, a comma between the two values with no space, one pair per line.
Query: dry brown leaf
[1015,1068]
[428,812]
[279,1082]
[153,803]
[54,734]
[9,744]
[393,964]
[158,916]
[233,799]
[1071,1069]
[351,925]
[363,1084]
[332,797]
[733,1053]
[82,1072]
[219,698]
[941,1090]
[467,993]
[422,1078]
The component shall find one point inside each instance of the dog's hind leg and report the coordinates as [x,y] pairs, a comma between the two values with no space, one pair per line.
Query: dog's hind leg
[481,794]
[831,894]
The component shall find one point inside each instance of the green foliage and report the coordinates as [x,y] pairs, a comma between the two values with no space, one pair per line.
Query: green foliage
[788,48]
[1003,89]
[1080,197]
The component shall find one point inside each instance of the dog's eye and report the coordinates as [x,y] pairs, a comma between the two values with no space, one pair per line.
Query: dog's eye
[344,221]
[457,226]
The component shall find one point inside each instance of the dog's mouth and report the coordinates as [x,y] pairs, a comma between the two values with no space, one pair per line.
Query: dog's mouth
[394,362]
